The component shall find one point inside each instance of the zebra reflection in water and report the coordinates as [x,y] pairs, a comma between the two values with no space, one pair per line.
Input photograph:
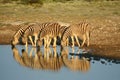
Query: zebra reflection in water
[36,59]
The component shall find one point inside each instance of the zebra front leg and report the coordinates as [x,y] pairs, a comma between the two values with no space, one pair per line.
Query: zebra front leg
[78,44]
[54,43]
[77,41]
[72,45]
[26,46]
[49,41]
[72,41]
[88,38]
[46,42]
[36,38]
[31,40]
[84,39]
[88,43]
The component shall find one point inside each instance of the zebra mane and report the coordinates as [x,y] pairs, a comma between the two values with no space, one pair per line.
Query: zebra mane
[19,32]
[28,29]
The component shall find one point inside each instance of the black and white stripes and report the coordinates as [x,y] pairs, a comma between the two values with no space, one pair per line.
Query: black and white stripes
[34,30]
[51,30]
[18,34]
[80,30]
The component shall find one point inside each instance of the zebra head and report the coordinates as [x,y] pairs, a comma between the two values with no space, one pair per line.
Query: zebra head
[14,41]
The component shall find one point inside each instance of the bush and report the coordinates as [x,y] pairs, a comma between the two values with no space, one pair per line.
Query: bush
[5,1]
[32,2]
[99,0]
[62,0]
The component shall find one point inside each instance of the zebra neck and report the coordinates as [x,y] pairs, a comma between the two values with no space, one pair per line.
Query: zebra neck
[17,35]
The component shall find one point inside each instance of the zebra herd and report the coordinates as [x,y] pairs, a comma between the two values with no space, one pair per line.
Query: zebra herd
[45,32]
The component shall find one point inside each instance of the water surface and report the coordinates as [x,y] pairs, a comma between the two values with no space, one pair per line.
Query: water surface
[99,69]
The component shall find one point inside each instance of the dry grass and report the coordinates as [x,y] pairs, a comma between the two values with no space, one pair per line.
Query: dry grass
[66,12]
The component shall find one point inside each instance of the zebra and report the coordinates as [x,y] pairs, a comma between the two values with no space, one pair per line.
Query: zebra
[18,34]
[33,30]
[80,30]
[52,31]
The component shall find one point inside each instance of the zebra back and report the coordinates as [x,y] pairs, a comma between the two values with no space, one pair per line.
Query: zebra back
[51,30]
[35,28]
[83,27]
[29,30]
[42,26]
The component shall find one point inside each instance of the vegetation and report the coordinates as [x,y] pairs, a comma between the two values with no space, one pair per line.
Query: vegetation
[70,11]
[42,1]
[39,3]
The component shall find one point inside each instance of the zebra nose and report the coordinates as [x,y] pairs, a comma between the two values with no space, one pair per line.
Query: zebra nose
[12,42]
